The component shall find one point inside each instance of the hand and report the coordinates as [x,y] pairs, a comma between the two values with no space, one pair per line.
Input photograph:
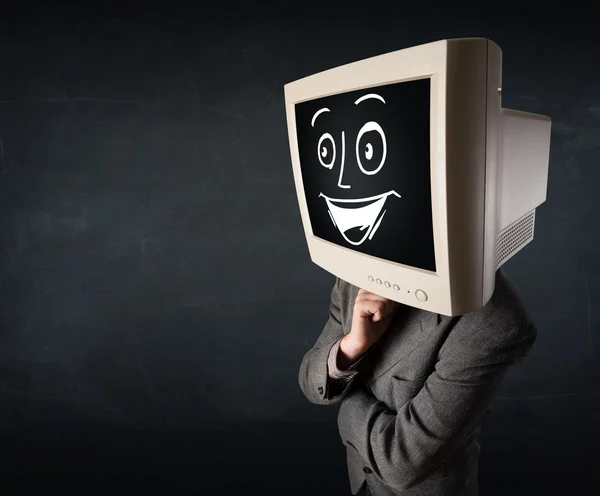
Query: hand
[371,318]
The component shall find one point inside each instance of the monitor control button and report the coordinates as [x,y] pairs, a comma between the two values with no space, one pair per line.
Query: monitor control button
[387,284]
[421,295]
[396,287]
[371,278]
[378,281]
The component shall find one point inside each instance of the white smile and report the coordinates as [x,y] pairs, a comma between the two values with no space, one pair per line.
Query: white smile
[366,217]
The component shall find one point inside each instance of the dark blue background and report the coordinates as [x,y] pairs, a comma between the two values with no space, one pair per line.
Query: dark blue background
[156,293]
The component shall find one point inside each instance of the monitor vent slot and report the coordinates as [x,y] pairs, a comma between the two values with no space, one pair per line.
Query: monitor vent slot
[515,237]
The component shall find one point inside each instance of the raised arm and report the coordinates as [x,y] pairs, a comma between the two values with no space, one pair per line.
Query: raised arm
[314,376]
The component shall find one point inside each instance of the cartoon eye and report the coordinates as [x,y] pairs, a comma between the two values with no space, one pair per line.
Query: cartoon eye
[326,150]
[371,148]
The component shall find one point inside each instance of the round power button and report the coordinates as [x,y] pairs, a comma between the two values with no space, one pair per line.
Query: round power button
[421,295]
[396,287]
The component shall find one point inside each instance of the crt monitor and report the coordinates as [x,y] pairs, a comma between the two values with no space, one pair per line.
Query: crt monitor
[413,182]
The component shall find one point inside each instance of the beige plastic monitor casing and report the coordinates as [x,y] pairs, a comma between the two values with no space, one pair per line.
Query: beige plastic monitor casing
[466,124]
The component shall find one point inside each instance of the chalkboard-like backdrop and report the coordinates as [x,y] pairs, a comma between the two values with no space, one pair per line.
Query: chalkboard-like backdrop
[156,293]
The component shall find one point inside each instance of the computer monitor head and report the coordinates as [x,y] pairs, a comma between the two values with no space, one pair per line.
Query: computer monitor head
[410,176]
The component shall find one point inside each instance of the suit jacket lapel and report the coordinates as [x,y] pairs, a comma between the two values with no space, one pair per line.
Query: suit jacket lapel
[408,327]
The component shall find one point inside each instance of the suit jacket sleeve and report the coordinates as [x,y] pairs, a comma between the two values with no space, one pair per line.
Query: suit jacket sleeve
[403,448]
[314,376]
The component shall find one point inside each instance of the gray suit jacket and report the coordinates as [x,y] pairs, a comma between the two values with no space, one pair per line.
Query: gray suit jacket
[411,417]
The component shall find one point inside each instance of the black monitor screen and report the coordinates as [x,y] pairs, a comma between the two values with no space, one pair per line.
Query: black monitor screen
[365,164]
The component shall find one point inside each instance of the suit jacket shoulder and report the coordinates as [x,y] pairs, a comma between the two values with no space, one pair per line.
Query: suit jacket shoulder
[500,331]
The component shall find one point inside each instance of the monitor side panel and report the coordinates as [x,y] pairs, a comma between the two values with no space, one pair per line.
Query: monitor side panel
[522,178]
[466,120]
[492,159]
[524,157]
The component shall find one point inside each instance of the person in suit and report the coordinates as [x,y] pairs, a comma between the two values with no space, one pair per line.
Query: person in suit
[413,386]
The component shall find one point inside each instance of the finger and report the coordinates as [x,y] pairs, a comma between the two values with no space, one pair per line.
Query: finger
[371,297]
[387,305]
[369,308]
[363,292]
[364,296]
[381,318]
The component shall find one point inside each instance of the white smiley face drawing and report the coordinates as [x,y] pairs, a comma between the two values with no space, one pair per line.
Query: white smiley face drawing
[365,214]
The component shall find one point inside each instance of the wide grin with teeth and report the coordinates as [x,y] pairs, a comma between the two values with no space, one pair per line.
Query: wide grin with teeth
[367,217]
